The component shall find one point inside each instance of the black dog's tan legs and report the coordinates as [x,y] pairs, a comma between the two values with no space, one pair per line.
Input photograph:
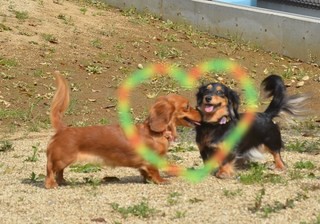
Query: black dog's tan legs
[279,164]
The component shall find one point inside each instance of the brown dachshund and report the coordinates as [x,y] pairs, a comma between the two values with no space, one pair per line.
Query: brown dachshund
[108,144]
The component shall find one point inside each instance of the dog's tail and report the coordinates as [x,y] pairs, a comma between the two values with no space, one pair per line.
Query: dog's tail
[294,105]
[60,102]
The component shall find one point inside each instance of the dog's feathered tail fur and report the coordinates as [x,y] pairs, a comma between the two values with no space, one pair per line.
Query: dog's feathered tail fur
[293,105]
[60,102]
[281,103]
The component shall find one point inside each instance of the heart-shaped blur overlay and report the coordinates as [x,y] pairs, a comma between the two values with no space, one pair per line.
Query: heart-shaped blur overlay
[187,80]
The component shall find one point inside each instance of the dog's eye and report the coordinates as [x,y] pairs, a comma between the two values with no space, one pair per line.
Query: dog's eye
[220,93]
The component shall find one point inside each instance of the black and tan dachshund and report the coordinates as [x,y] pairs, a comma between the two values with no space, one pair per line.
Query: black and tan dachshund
[219,107]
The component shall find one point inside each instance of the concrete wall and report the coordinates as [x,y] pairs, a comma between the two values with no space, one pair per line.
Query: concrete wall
[284,33]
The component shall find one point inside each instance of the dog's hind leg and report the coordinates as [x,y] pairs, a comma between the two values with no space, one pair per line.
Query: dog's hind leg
[279,164]
[55,172]
[60,179]
[50,181]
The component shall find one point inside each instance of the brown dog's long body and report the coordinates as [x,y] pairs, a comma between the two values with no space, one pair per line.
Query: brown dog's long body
[108,144]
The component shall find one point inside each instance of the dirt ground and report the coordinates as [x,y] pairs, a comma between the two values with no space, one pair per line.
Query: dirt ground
[96,47]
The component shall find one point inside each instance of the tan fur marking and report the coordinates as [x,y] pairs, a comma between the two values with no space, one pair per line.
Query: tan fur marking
[277,159]
[226,171]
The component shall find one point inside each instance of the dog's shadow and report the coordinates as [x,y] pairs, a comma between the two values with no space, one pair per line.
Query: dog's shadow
[88,181]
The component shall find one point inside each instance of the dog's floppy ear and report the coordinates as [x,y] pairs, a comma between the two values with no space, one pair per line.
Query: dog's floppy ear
[199,95]
[160,115]
[233,104]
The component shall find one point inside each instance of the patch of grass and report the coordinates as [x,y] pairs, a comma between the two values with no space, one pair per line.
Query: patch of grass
[6,146]
[104,121]
[37,178]
[83,10]
[66,20]
[166,52]
[36,126]
[94,69]
[72,109]
[125,70]
[203,44]
[293,72]
[4,27]
[266,210]
[25,33]
[258,200]
[172,158]
[95,3]
[94,182]
[21,15]
[96,43]
[304,165]
[308,126]
[310,186]
[141,210]
[173,198]
[296,174]
[35,154]
[50,38]
[257,175]
[129,12]
[38,73]
[303,146]
[300,174]
[81,123]
[180,214]
[168,24]
[7,62]
[195,200]
[13,114]
[182,147]
[139,18]
[87,168]
[119,46]
[171,37]
[162,84]
[231,194]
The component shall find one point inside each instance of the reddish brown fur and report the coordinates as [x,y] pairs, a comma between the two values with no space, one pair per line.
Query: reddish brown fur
[108,144]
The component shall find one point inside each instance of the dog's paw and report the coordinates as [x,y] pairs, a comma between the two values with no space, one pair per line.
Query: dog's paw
[222,174]
[50,184]
[168,135]
[163,181]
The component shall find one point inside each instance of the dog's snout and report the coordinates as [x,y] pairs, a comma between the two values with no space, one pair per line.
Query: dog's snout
[208,99]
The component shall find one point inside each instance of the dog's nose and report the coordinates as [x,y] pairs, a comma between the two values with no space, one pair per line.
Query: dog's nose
[208,99]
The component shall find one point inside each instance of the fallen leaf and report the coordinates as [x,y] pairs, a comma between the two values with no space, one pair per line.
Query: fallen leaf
[151,95]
